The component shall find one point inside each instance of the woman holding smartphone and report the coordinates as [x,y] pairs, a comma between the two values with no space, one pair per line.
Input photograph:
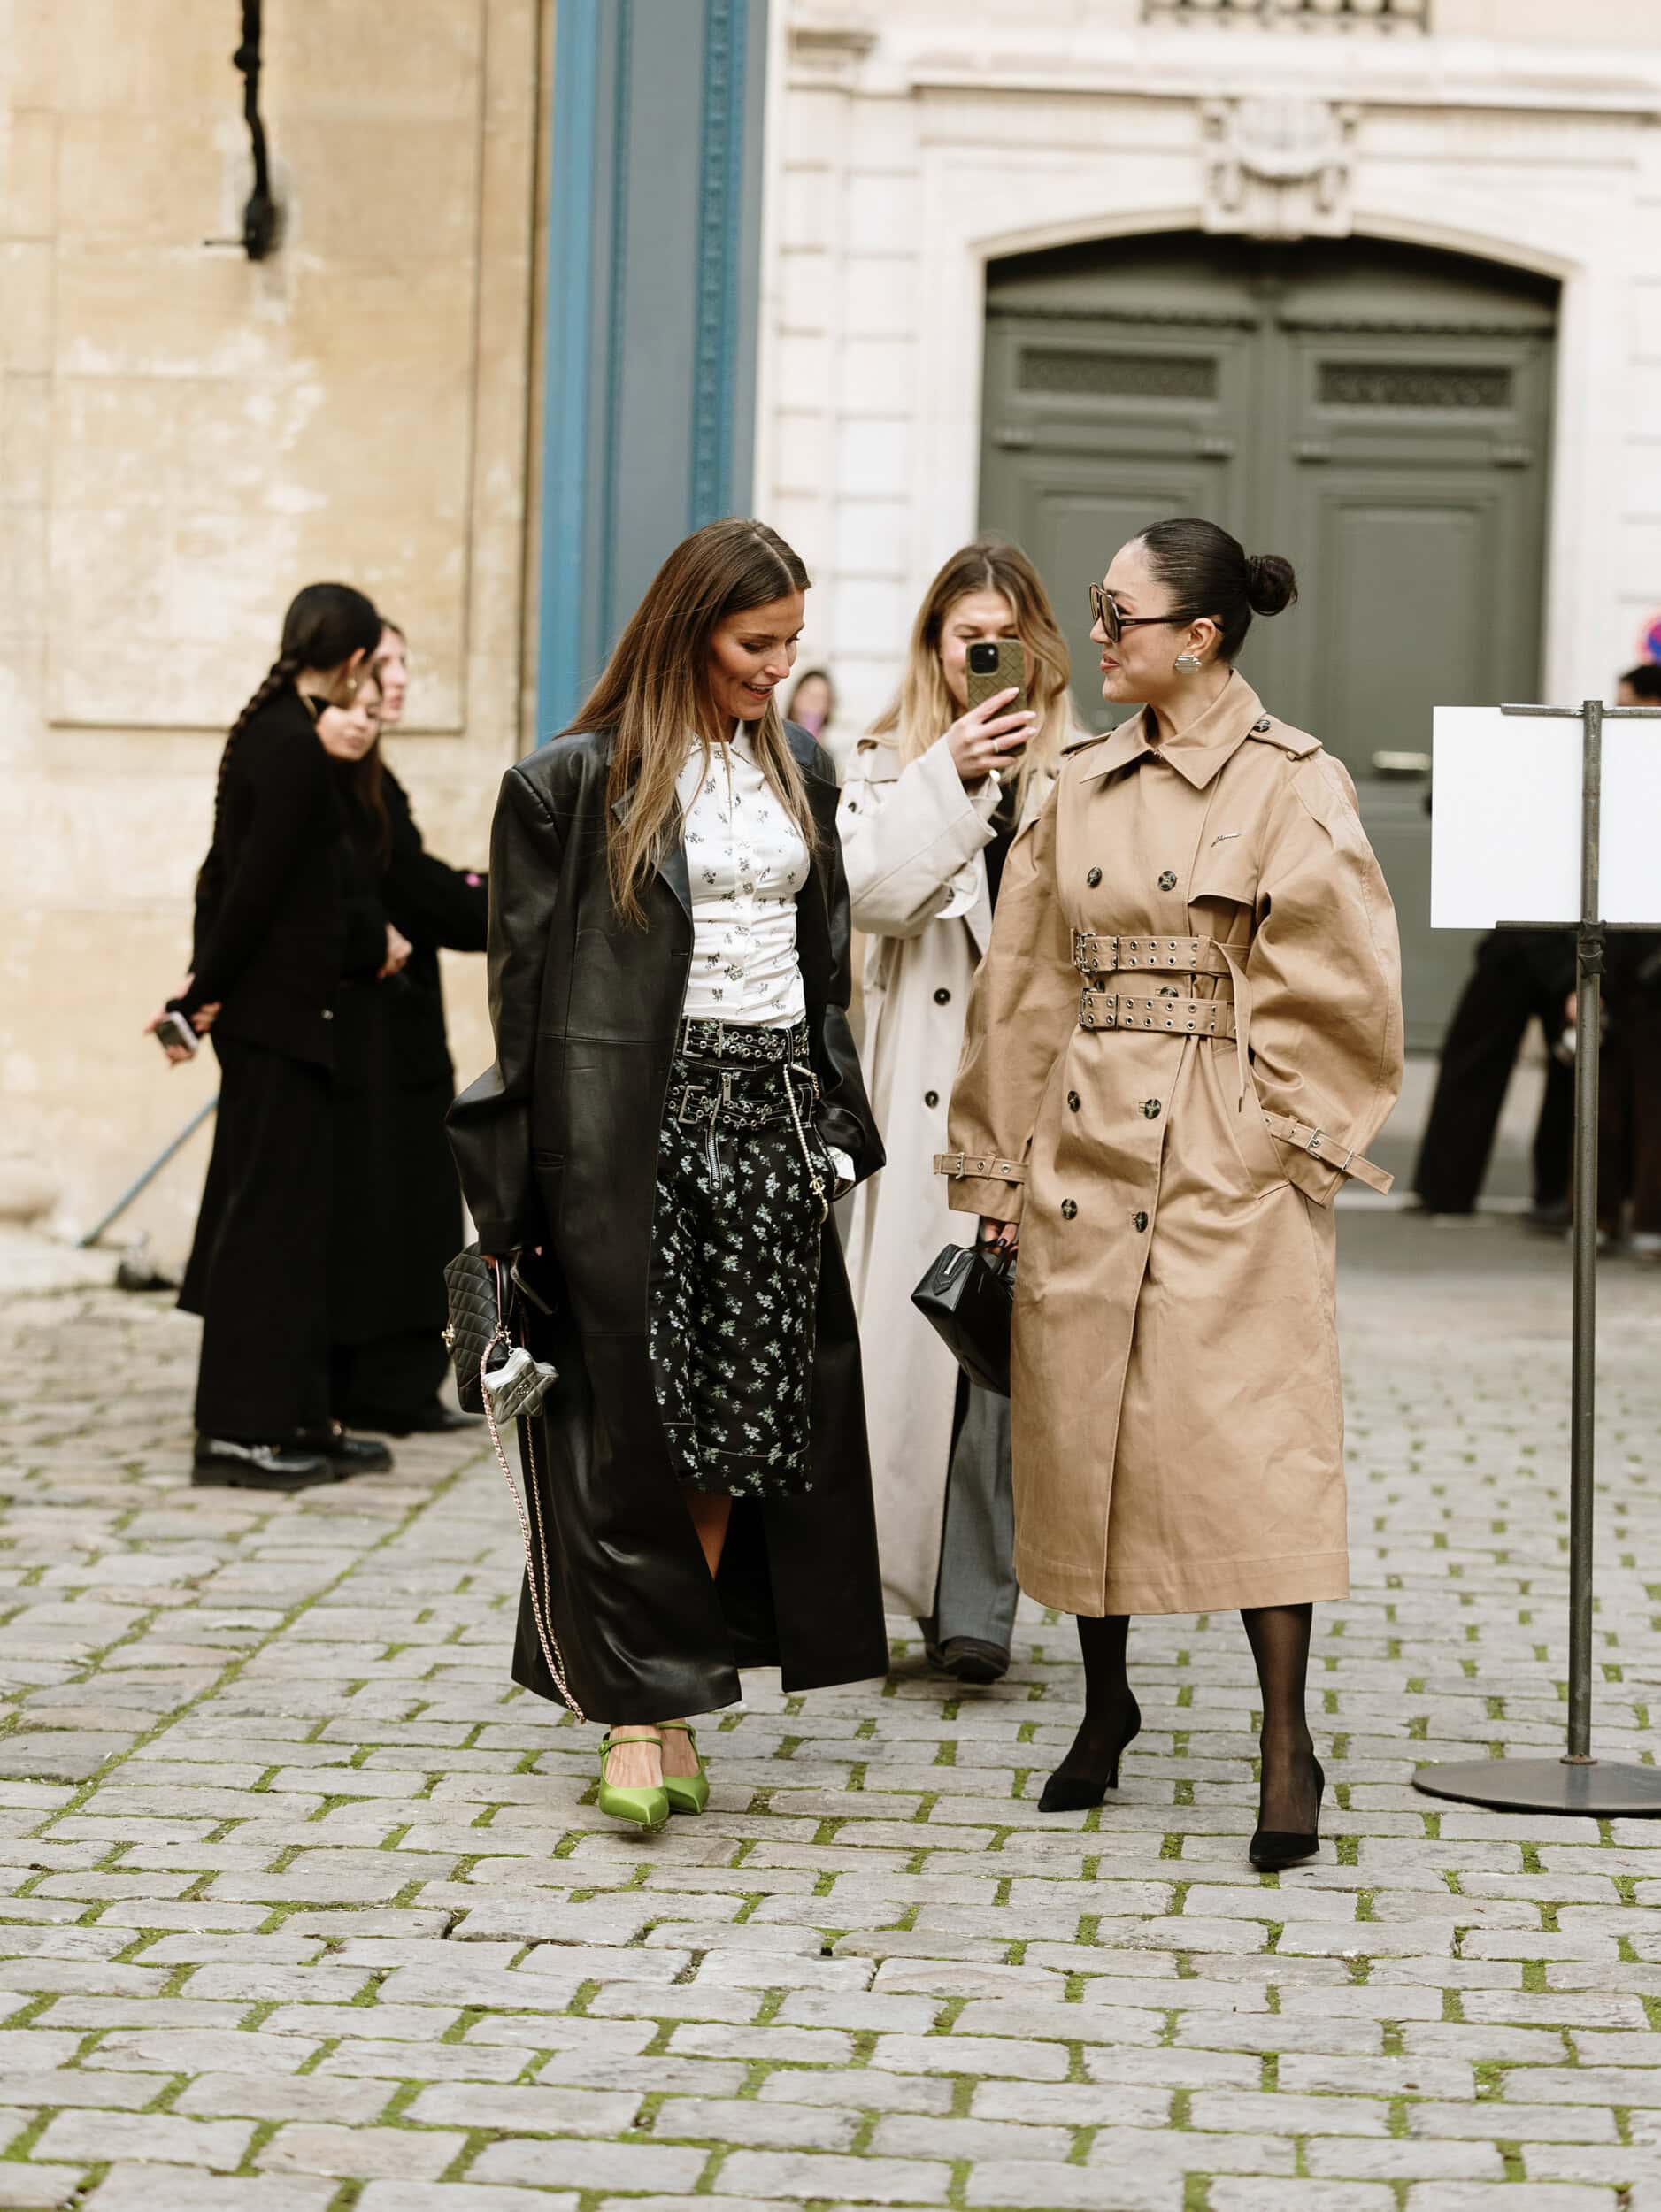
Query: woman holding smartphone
[675,1101]
[271,932]
[934,798]
[1186,1032]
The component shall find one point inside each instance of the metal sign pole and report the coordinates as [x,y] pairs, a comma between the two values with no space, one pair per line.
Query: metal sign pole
[1577,1783]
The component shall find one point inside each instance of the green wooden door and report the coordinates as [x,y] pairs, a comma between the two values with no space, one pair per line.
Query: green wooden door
[1379,414]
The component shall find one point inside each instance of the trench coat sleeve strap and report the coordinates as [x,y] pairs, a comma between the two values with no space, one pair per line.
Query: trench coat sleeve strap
[432,902]
[844,1116]
[1325,980]
[1022,1009]
[287,777]
[490,1122]
[906,842]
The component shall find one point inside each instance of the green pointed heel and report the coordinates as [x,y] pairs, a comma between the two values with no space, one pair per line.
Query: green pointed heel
[687,1792]
[647,1808]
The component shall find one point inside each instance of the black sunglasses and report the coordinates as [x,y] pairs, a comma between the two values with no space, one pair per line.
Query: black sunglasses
[1104,610]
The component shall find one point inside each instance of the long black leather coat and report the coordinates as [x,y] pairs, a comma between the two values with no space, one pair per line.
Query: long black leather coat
[556,1145]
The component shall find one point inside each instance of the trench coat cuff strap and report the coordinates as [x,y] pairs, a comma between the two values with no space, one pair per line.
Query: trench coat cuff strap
[980,1167]
[1329,1151]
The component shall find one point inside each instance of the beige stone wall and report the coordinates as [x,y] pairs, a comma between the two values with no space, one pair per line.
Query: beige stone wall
[187,437]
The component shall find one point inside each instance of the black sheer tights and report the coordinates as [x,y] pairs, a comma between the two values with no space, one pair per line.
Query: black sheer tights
[1279,1636]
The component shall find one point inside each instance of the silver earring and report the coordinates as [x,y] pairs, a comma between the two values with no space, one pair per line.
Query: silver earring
[1185,663]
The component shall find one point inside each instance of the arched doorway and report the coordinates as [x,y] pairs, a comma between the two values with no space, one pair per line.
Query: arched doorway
[1381,413]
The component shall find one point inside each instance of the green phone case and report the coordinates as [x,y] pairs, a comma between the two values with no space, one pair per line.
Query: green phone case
[1011,669]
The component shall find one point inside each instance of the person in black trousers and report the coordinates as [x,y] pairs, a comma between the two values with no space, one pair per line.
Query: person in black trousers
[396,1217]
[269,950]
[1520,976]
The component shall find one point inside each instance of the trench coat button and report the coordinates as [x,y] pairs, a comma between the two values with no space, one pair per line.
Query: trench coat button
[1069,1209]
[1152,1108]
[931,1098]
[1139,1221]
[1168,881]
[942,997]
[1094,878]
[1073,1102]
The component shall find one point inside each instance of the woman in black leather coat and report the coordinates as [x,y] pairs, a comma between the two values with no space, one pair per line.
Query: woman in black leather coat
[657,1585]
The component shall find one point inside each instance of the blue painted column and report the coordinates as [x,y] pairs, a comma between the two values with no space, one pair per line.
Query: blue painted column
[654,247]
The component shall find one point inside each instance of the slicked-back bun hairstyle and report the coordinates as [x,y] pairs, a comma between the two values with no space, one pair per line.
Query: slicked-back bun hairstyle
[1211,573]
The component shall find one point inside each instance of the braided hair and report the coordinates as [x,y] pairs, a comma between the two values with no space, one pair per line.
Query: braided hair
[325,626]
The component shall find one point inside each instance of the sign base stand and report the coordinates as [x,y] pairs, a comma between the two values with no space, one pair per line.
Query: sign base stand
[1601,1789]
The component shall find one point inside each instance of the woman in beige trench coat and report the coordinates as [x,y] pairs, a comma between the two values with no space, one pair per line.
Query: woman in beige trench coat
[931,800]
[1184,1035]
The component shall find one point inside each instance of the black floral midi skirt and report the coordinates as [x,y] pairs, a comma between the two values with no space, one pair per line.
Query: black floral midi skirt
[744,1185]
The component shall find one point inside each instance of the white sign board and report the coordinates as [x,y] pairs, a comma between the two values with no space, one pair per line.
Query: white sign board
[1505,829]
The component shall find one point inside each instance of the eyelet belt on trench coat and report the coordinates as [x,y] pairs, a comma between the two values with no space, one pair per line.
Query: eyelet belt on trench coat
[1094,954]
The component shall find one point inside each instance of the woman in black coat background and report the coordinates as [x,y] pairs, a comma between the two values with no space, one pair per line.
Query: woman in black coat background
[396,1217]
[270,951]
[558,1150]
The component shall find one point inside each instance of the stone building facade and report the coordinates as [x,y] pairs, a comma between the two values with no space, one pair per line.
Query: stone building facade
[916,145]
[187,434]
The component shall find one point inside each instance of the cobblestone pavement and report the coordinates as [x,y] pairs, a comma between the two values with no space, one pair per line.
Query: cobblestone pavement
[309,1909]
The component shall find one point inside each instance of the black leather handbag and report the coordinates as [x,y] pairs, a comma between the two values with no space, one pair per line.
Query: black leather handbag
[969,1296]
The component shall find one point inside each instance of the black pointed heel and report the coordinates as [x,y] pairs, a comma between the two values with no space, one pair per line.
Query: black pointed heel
[1272,1848]
[1066,1792]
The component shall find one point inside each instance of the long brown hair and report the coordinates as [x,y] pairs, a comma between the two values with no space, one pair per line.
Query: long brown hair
[924,710]
[654,695]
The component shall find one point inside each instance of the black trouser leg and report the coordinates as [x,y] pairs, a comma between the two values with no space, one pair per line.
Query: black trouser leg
[1554,1131]
[259,1273]
[402,1373]
[1477,1055]
[1279,1636]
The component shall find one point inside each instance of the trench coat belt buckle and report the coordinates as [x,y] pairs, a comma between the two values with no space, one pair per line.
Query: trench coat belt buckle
[1171,1017]
[1095,954]
[1327,1149]
[981,1167]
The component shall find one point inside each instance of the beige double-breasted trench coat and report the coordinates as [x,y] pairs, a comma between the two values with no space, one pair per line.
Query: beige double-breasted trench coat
[913,844]
[1185,1033]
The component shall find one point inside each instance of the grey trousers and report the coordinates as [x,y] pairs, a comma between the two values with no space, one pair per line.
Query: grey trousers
[977,1591]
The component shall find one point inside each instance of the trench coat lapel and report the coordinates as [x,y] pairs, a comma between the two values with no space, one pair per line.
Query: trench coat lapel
[1198,753]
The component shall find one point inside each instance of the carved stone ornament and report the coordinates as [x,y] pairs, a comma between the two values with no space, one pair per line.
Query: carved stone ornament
[1277,168]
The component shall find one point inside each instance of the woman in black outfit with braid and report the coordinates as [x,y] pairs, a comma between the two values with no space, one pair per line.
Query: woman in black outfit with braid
[271,949]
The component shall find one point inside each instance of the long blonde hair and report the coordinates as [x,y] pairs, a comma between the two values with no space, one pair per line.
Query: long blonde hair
[924,710]
[654,695]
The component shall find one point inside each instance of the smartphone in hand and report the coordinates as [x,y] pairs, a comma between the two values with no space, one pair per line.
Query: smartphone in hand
[174,1029]
[995,665]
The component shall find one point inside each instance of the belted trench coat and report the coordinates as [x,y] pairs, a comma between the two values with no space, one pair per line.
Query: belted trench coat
[556,1145]
[913,841]
[1184,1035]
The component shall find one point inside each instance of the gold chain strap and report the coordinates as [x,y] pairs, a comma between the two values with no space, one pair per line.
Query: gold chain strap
[551,1655]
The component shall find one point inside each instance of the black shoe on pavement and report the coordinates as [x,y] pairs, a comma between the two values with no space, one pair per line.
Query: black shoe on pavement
[221,1463]
[971,1659]
[348,1454]
[432,1419]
